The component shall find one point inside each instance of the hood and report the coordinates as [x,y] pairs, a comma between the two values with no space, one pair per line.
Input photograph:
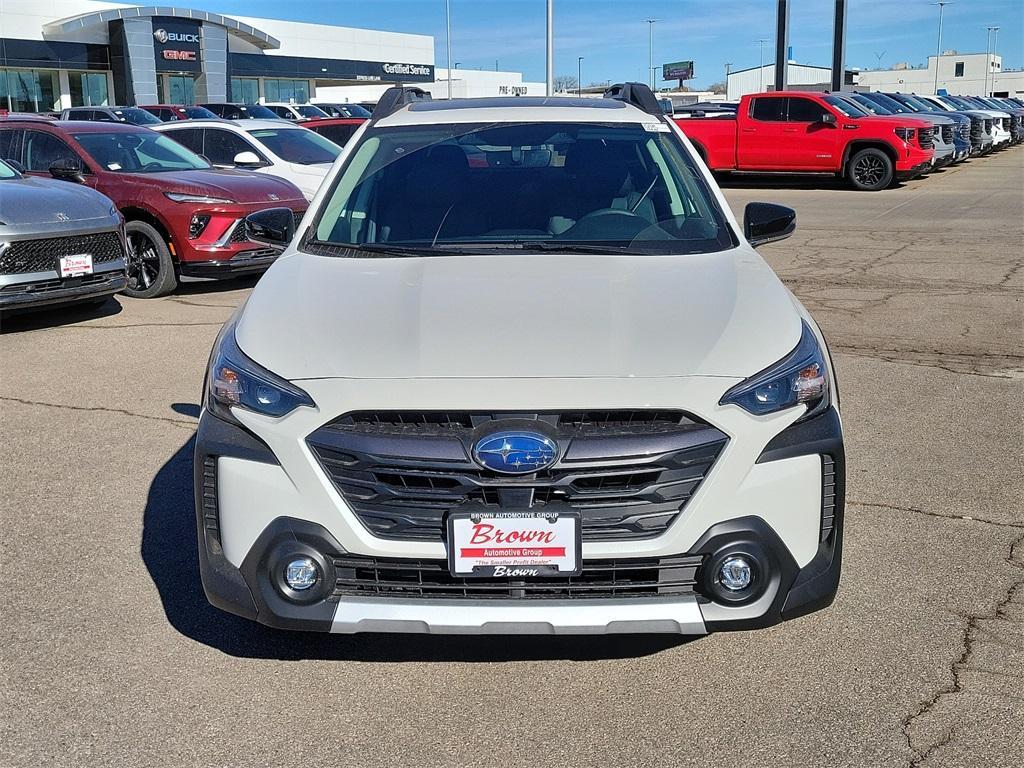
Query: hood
[28,201]
[515,316]
[308,178]
[240,186]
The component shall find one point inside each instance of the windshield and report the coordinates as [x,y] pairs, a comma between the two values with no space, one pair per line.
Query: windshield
[848,109]
[198,113]
[626,188]
[308,110]
[139,152]
[920,103]
[136,116]
[6,172]
[890,103]
[353,110]
[870,106]
[255,112]
[298,145]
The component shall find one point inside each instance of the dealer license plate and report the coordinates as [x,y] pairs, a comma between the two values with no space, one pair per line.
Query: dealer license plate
[517,545]
[78,264]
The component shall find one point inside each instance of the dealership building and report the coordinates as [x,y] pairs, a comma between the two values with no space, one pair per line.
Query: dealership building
[65,53]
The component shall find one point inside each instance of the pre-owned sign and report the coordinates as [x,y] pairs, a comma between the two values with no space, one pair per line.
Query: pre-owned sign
[176,45]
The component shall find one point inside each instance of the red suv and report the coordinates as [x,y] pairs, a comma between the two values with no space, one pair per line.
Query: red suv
[336,129]
[183,216]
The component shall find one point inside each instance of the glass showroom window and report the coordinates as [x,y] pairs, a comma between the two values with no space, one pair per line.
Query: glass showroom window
[245,90]
[296,91]
[29,90]
[88,89]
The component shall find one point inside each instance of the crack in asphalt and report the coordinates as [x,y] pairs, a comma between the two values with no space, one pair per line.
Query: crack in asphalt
[918,511]
[944,360]
[970,634]
[100,409]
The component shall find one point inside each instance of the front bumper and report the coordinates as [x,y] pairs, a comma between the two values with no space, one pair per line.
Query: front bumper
[244,263]
[247,494]
[44,289]
[914,171]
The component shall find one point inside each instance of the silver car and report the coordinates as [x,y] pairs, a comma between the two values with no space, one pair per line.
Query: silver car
[59,243]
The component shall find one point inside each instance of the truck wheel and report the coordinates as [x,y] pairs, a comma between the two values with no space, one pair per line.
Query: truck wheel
[150,267]
[869,170]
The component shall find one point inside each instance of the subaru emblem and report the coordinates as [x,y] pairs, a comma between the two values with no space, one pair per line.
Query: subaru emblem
[515,453]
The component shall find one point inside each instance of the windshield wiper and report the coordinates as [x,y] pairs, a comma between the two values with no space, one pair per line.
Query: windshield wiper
[383,250]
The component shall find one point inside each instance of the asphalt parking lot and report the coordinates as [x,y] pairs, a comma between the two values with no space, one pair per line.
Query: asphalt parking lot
[111,655]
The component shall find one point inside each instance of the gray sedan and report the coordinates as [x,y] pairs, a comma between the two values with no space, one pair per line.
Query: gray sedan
[59,243]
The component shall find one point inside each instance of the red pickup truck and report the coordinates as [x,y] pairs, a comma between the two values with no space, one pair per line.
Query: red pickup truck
[796,131]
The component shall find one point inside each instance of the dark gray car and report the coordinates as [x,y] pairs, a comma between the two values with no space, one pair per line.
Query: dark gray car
[59,243]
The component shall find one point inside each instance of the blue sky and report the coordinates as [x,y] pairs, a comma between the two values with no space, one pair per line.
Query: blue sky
[612,34]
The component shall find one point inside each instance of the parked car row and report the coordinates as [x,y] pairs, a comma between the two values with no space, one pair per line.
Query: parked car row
[151,114]
[870,139]
[177,214]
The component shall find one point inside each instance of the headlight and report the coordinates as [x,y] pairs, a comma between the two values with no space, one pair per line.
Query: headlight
[800,377]
[181,197]
[905,133]
[234,380]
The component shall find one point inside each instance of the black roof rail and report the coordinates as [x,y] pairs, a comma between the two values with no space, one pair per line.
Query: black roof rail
[393,99]
[637,94]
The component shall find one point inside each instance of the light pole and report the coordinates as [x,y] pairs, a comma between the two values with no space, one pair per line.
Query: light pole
[728,66]
[550,81]
[988,59]
[760,68]
[650,50]
[448,41]
[938,45]
[579,75]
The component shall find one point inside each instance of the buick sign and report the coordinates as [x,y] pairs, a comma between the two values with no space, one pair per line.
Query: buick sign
[515,453]
[163,36]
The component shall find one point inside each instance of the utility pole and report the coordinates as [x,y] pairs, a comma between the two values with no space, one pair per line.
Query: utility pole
[550,82]
[579,75]
[650,51]
[448,41]
[995,45]
[938,45]
[760,69]
[728,67]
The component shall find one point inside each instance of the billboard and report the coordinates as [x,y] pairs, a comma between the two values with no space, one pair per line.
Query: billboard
[680,70]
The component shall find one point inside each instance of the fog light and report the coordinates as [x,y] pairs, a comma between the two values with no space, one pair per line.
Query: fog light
[735,573]
[301,574]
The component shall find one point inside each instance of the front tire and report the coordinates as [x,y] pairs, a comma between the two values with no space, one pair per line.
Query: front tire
[870,170]
[150,266]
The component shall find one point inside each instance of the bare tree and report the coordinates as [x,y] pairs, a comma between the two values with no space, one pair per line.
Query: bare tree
[564,83]
[719,87]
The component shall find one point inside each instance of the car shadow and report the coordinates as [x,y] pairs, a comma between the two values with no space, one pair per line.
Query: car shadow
[52,317]
[169,551]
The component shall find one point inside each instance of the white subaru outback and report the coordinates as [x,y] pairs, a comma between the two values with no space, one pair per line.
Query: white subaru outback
[519,370]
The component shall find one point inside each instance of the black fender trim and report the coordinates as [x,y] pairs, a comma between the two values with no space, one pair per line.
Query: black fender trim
[223,583]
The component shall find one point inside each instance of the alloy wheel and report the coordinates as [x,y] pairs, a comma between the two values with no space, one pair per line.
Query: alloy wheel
[143,261]
[869,171]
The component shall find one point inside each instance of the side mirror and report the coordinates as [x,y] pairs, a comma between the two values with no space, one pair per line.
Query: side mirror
[67,169]
[828,118]
[272,226]
[14,164]
[247,158]
[767,222]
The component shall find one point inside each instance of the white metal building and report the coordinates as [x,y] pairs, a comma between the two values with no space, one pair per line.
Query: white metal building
[959,73]
[756,79]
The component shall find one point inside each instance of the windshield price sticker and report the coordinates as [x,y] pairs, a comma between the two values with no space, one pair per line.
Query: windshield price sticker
[514,544]
[78,264]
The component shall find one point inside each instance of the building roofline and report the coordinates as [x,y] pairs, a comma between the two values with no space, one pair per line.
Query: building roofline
[77,23]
